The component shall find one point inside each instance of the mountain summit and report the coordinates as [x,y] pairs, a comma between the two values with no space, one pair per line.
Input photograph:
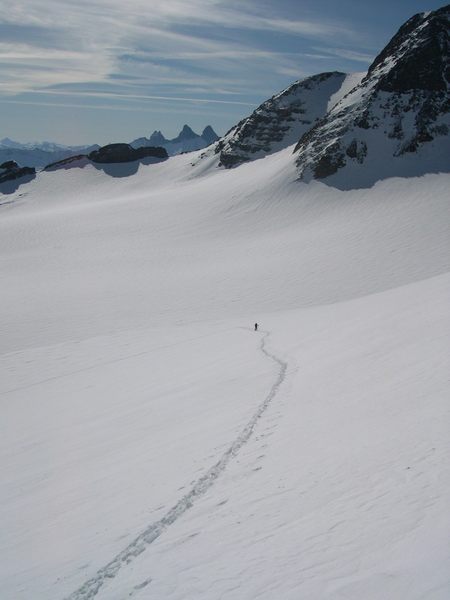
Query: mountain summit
[185,134]
[420,53]
[157,138]
[396,122]
[209,134]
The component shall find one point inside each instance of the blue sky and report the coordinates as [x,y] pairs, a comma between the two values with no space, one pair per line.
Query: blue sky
[101,71]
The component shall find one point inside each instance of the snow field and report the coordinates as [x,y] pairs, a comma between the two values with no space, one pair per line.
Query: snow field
[96,440]
[129,368]
[343,489]
[100,254]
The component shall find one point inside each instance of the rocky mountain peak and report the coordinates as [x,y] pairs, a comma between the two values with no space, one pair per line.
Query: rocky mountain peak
[396,122]
[186,134]
[417,56]
[209,135]
[157,138]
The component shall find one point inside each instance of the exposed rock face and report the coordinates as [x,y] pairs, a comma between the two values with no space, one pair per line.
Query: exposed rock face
[10,170]
[420,49]
[9,164]
[400,108]
[122,153]
[279,121]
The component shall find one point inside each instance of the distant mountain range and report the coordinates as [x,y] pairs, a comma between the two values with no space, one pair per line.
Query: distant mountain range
[44,146]
[41,154]
[186,141]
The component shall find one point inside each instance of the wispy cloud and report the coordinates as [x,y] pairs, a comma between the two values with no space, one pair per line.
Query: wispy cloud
[89,41]
[347,54]
[193,102]
[127,96]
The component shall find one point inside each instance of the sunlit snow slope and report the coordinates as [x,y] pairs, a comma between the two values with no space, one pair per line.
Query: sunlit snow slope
[155,447]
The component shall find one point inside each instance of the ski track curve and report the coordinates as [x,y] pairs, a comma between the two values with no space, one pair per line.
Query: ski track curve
[92,586]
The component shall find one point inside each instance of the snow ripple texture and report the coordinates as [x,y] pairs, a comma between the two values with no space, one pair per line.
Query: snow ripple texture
[91,587]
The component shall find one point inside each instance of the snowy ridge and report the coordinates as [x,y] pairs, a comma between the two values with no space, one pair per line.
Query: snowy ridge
[154,531]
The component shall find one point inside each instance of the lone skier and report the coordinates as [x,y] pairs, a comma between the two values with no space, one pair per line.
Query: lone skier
[256,326]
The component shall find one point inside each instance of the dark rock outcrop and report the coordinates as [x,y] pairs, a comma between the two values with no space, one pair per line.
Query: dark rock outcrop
[10,170]
[122,153]
[9,164]
[116,160]
[421,51]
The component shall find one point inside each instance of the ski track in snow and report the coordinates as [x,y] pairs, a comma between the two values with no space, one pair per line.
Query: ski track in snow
[91,587]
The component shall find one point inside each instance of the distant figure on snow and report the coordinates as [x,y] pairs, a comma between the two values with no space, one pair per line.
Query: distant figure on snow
[256,326]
